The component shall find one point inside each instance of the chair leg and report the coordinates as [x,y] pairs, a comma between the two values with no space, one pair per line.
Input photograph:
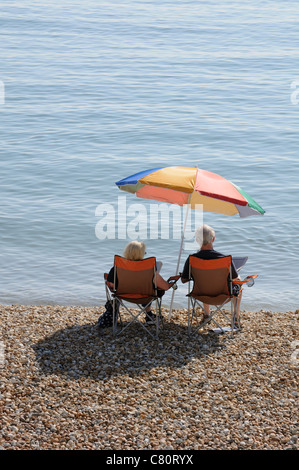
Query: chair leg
[191,313]
[235,315]
[210,317]
[192,303]
[135,318]
[161,319]
[114,321]
[158,313]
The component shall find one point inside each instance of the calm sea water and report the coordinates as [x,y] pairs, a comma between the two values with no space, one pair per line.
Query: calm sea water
[94,91]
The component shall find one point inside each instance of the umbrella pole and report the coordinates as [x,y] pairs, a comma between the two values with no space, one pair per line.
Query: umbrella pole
[179,257]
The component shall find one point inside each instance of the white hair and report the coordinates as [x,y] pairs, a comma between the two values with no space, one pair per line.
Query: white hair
[135,250]
[204,235]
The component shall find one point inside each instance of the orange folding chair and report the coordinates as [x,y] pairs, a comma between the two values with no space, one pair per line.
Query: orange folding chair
[213,285]
[135,283]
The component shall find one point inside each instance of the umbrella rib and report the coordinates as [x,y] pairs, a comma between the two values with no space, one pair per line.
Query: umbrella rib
[223,198]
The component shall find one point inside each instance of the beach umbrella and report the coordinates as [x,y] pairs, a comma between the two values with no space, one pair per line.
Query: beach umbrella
[186,185]
[192,186]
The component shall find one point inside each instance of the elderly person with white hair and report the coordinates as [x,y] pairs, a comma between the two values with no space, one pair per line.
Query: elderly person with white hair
[205,237]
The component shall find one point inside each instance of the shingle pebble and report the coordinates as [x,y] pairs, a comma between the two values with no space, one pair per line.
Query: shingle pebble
[66,386]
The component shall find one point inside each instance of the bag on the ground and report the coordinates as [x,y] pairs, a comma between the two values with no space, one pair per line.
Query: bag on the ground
[236,290]
[106,319]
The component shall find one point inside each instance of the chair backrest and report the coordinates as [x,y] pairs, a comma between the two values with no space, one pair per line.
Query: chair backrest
[211,279]
[135,279]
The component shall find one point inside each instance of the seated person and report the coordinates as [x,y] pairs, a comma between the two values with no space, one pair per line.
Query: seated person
[134,251]
[205,236]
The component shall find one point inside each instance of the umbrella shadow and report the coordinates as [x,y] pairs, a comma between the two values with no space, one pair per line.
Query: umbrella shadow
[82,351]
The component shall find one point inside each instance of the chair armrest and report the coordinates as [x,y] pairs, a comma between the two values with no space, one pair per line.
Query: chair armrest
[109,284]
[249,280]
[174,278]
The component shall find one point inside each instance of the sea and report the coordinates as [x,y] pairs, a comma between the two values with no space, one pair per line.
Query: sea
[92,92]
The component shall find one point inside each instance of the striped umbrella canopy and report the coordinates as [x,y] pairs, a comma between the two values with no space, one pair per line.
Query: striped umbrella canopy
[187,185]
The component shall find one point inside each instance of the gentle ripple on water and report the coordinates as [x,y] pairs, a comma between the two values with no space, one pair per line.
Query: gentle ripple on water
[97,91]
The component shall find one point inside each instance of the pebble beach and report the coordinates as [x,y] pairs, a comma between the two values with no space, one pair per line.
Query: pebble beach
[65,385]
